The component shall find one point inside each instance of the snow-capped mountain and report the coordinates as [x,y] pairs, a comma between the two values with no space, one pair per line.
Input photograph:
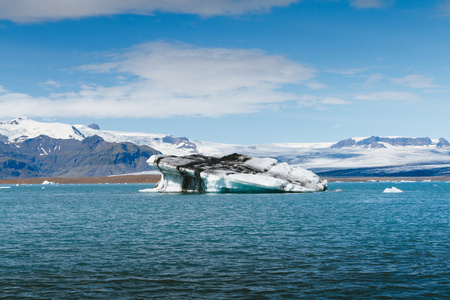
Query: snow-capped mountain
[363,156]
[21,129]
[376,142]
[44,156]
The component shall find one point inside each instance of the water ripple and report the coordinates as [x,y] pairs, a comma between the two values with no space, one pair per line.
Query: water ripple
[98,242]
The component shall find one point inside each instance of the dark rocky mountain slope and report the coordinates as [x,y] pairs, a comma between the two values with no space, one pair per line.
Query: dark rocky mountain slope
[48,157]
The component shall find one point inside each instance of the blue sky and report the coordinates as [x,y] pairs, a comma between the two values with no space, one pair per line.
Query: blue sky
[230,71]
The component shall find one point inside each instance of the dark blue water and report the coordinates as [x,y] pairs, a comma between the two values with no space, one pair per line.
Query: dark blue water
[112,242]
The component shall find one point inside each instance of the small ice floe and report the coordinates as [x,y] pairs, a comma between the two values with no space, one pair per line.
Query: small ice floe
[152,190]
[47,182]
[43,188]
[392,190]
[5,187]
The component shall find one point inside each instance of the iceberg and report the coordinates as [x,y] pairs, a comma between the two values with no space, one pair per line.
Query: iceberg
[232,173]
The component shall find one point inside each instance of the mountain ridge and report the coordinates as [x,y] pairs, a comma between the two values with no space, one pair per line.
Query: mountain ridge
[44,156]
[357,156]
[381,142]
[19,129]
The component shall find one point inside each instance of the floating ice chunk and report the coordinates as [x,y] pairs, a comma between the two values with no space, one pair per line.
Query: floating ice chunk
[232,173]
[392,190]
[148,190]
[47,182]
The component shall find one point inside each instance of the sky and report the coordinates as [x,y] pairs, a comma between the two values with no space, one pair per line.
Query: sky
[230,71]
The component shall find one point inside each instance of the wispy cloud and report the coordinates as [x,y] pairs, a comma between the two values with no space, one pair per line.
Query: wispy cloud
[366,4]
[50,84]
[415,81]
[374,78]
[388,95]
[173,80]
[26,11]
[321,100]
[445,7]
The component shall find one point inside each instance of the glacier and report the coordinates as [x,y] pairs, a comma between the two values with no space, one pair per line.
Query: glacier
[237,173]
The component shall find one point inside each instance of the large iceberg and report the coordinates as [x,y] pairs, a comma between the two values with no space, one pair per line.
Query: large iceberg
[232,173]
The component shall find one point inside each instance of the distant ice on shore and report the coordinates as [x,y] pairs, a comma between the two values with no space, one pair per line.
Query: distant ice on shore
[153,172]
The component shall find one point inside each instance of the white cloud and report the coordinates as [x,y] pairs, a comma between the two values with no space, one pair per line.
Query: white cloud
[173,80]
[388,95]
[365,4]
[46,10]
[415,81]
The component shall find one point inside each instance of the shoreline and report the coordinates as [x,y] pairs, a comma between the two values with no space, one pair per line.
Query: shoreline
[151,179]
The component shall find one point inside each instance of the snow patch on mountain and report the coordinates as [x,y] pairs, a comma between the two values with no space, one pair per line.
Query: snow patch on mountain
[21,129]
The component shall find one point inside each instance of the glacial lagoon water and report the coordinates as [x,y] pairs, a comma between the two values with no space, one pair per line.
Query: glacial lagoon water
[112,242]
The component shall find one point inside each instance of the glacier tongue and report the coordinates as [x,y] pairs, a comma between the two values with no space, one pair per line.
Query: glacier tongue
[232,173]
